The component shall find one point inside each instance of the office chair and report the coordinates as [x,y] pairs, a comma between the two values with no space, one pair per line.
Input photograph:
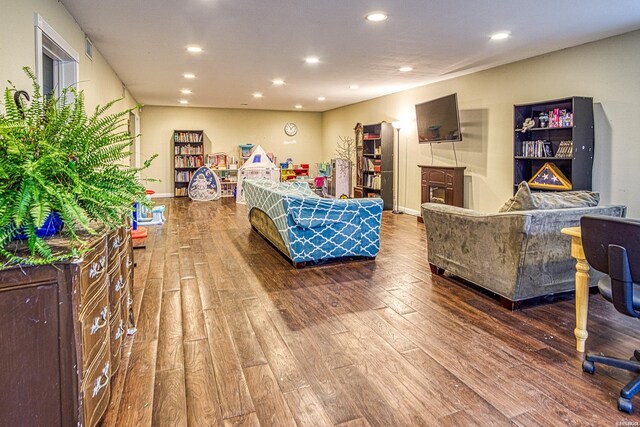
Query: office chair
[612,246]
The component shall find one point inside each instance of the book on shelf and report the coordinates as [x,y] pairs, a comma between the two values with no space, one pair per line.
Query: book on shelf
[565,150]
[188,161]
[373,181]
[181,191]
[187,137]
[188,150]
[539,148]
[369,136]
[184,176]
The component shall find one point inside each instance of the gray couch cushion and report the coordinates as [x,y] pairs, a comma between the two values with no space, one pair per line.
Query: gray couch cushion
[525,200]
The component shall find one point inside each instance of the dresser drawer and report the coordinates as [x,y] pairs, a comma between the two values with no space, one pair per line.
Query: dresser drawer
[127,262]
[93,269]
[115,240]
[96,387]
[118,333]
[117,283]
[94,320]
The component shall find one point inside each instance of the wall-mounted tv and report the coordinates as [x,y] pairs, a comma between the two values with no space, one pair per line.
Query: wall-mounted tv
[438,120]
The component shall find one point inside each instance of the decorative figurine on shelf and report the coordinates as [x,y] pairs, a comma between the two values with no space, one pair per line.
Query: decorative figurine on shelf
[528,124]
[544,119]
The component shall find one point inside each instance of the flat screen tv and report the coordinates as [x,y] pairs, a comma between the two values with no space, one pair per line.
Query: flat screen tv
[438,120]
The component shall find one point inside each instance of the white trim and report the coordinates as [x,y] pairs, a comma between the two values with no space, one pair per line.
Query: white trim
[67,59]
[409,211]
[161,195]
[54,36]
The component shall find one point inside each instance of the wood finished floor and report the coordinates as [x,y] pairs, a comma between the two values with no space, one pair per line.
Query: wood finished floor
[230,334]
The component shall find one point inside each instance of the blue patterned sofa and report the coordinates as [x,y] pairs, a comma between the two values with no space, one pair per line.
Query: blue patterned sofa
[308,228]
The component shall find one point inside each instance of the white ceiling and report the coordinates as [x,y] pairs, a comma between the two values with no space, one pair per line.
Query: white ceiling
[248,43]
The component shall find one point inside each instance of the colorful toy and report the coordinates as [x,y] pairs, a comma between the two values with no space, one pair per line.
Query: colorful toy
[157,213]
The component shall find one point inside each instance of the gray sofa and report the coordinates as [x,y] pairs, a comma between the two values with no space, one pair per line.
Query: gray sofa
[517,255]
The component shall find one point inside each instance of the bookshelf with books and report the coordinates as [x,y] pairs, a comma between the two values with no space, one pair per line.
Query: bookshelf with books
[559,132]
[188,156]
[374,175]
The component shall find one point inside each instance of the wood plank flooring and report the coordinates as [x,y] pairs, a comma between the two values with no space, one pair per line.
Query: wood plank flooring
[229,334]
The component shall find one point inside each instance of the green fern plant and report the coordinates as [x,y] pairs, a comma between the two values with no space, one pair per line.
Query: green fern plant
[55,157]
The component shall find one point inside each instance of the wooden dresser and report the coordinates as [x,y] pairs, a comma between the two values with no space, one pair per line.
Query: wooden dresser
[61,332]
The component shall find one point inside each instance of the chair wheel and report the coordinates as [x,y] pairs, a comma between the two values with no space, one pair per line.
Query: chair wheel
[625,405]
[588,366]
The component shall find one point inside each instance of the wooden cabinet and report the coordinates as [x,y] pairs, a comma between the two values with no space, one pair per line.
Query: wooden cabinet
[442,184]
[62,327]
[374,162]
[559,132]
[188,156]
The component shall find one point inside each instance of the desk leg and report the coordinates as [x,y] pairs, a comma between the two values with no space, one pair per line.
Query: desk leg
[582,293]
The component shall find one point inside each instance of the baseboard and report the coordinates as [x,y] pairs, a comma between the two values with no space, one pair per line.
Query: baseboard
[409,211]
[161,195]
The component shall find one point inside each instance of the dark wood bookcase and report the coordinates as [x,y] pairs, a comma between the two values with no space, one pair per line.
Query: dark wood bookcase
[188,156]
[374,174]
[575,125]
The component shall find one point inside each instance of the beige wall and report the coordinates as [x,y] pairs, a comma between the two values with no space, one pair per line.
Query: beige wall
[606,70]
[224,130]
[17,49]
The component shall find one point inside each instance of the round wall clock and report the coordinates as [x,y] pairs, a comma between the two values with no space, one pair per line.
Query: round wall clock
[290,129]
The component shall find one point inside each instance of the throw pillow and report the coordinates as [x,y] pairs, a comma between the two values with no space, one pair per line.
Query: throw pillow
[524,200]
[521,201]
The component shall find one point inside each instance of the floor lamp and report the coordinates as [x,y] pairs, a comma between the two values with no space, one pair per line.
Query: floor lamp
[397,126]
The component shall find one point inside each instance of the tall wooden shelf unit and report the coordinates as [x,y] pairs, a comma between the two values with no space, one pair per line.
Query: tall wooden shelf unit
[188,156]
[374,174]
[578,163]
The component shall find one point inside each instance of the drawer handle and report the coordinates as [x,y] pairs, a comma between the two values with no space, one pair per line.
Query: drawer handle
[99,383]
[100,321]
[120,330]
[97,268]
[119,284]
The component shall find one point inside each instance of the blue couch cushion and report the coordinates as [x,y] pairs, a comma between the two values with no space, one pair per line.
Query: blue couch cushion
[314,213]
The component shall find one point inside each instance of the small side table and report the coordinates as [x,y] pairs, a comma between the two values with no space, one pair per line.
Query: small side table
[582,286]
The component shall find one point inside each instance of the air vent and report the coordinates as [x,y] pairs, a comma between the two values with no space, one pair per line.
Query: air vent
[88,47]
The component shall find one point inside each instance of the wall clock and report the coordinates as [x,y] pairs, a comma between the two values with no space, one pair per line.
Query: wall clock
[290,129]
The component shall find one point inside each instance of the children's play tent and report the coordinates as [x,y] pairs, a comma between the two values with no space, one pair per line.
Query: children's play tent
[257,166]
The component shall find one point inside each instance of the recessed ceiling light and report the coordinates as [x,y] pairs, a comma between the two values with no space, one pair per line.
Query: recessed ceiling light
[185,91]
[405,69]
[194,49]
[257,95]
[311,60]
[354,87]
[321,98]
[189,76]
[278,82]
[501,35]
[298,106]
[376,16]
[184,101]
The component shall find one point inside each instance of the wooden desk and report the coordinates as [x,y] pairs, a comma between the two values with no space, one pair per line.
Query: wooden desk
[582,286]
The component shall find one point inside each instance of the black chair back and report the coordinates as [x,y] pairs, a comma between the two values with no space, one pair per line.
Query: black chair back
[598,232]
[612,246]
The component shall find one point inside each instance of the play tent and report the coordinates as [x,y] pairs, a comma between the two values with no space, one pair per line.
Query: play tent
[258,165]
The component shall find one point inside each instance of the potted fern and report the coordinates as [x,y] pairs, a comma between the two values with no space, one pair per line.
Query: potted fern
[59,165]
